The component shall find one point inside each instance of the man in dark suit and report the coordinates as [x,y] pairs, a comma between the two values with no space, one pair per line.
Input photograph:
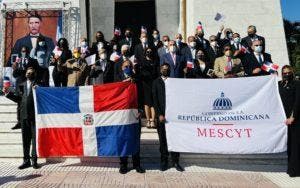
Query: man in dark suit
[99,44]
[214,50]
[139,50]
[19,70]
[164,49]
[176,62]
[201,42]
[159,101]
[252,36]
[27,112]
[30,40]
[130,41]
[254,61]
[189,50]
[180,45]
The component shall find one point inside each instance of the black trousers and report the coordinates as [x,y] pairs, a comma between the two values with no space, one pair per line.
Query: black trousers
[60,79]
[28,138]
[163,146]
[293,150]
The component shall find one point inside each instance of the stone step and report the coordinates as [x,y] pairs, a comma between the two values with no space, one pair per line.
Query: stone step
[6,101]
[8,109]
[8,117]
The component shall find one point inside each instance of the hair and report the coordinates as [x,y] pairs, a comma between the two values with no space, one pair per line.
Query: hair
[252,26]
[26,48]
[165,64]
[227,45]
[155,30]
[166,36]
[66,43]
[191,37]
[35,16]
[287,67]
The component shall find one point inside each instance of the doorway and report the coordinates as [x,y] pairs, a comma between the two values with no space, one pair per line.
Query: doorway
[134,14]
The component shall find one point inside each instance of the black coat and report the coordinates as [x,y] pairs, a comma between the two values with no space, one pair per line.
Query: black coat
[26,102]
[26,41]
[159,96]
[139,52]
[134,42]
[212,55]
[250,63]
[202,44]
[108,74]
[20,71]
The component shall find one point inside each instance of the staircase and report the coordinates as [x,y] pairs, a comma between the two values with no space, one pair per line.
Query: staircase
[11,146]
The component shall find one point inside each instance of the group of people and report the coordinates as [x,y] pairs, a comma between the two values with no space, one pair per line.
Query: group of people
[148,62]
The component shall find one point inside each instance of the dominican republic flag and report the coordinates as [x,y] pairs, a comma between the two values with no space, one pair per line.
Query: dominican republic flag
[87,121]
[59,27]
[269,67]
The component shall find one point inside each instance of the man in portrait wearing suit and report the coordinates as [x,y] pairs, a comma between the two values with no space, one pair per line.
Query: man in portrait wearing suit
[30,40]
[24,96]
[176,61]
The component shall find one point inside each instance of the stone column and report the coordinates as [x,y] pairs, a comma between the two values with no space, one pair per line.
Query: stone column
[102,17]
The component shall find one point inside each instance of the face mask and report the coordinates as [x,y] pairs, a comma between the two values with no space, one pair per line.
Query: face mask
[178,41]
[200,35]
[103,56]
[115,47]
[42,43]
[149,53]
[258,49]
[229,35]
[76,55]
[289,77]
[99,38]
[100,45]
[172,49]
[251,35]
[84,44]
[228,53]
[213,43]
[200,57]
[193,44]
[144,40]
[155,36]
[166,43]
[165,73]
[128,35]
[23,54]
[127,71]
[237,40]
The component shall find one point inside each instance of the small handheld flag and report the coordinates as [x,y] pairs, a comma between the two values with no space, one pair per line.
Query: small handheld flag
[199,26]
[6,82]
[270,67]
[189,65]
[117,31]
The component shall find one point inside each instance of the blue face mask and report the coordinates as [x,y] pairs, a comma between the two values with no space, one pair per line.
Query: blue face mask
[258,49]
[127,71]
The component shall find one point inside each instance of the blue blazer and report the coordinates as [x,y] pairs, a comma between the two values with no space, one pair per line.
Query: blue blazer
[176,71]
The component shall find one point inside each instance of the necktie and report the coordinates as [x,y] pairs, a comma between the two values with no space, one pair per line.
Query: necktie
[229,66]
[260,59]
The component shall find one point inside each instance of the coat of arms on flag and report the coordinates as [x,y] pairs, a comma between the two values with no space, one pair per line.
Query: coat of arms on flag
[87,121]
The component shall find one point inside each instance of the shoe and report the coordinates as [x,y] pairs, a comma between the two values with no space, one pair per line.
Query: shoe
[35,165]
[26,164]
[139,169]
[178,167]
[123,170]
[148,125]
[17,126]
[163,166]
[152,124]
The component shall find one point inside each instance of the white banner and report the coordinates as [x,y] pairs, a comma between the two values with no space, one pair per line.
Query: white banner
[226,116]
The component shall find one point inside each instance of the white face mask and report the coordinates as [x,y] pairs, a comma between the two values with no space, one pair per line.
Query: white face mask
[172,49]
[23,55]
[178,41]
[103,56]
[166,43]
[213,43]
[193,44]
[155,36]
[42,43]
[100,45]
[83,44]
[144,40]
[258,49]
[237,40]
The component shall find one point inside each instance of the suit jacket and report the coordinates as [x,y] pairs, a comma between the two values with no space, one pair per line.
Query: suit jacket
[187,54]
[107,76]
[196,72]
[220,67]
[139,52]
[94,49]
[26,41]
[250,63]
[212,55]
[176,71]
[134,42]
[77,72]
[159,96]
[202,44]
[162,51]
[181,48]
[26,101]
[247,42]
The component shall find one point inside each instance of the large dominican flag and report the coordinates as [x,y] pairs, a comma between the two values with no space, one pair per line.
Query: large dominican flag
[87,121]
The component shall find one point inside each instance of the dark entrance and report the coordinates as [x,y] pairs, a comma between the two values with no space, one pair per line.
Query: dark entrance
[135,14]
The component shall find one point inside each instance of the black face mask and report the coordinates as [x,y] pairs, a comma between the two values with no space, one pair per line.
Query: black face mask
[126,54]
[200,35]
[251,35]
[165,73]
[99,38]
[200,57]
[288,78]
[149,54]
[128,35]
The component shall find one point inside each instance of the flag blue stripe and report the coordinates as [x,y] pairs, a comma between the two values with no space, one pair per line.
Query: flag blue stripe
[57,100]
[118,140]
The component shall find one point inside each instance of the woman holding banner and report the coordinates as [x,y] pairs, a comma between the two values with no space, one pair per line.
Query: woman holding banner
[289,90]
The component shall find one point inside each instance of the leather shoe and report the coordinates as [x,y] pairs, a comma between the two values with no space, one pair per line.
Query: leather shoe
[123,170]
[26,164]
[163,166]
[35,165]
[178,167]
[17,126]
[139,169]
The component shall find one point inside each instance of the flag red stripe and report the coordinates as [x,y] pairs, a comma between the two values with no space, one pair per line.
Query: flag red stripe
[57,142]
[115,96]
